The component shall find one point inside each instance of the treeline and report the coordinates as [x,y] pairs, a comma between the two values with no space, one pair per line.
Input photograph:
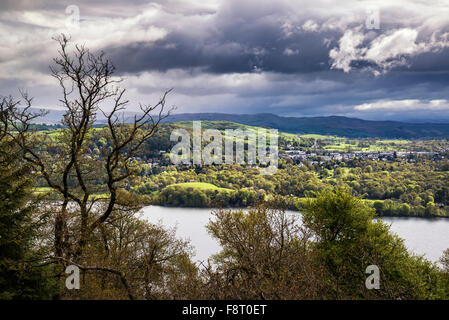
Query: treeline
[177,196]
[400,188]
[397,209]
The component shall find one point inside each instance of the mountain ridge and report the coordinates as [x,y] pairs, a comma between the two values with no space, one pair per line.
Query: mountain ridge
[329,125]
[326,125]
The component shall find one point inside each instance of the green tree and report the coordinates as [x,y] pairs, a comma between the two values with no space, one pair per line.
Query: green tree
[20,277]
[265,256]
[348,240]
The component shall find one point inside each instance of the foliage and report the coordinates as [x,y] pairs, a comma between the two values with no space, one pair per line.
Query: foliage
[265,256]
[21,277]
[348,240]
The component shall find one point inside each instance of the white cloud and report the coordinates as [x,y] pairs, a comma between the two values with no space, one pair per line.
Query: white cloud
[290,52]
[385,51]
[95,32]
[404,105]
[27,45]
[310,26]
[388,46]
[348,50]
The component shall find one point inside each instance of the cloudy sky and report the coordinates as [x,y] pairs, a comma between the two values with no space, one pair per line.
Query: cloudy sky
[365,59]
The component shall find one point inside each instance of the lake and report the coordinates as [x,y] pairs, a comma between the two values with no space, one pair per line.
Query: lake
[429,237]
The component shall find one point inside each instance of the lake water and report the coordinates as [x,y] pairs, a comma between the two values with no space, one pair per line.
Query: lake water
[422,236]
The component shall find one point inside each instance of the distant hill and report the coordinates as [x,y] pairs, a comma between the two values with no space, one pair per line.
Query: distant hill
[332,125]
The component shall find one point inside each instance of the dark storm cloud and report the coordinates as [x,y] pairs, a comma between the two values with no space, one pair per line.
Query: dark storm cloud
[265,51]
[239,38]
[287,57]
[429,62]
[242,38]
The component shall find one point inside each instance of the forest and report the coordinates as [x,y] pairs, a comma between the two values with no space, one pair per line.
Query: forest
[414,186]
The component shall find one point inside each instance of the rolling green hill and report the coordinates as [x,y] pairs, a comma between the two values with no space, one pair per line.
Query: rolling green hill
[333,125]
[198,185]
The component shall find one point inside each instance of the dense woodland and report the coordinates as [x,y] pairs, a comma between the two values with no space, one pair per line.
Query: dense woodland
[417,187]
[396,188]
[102,176]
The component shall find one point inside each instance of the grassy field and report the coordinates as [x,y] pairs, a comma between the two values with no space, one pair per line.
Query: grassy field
[345,145]
[44,190]
[320,136]
[198,185]
[331,143]
[54,134]
[40,190]
[226,125]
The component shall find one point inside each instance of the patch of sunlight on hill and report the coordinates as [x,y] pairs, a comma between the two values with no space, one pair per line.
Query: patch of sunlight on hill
[198,185]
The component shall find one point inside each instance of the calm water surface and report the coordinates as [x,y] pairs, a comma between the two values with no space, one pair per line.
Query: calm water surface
[422,236]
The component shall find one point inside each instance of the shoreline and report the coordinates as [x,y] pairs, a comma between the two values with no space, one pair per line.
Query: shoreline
[246,208]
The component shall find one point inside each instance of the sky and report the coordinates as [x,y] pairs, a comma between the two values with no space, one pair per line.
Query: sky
[377,60]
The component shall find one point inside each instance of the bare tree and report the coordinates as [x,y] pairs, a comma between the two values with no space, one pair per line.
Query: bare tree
[65,161]
[265,256]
